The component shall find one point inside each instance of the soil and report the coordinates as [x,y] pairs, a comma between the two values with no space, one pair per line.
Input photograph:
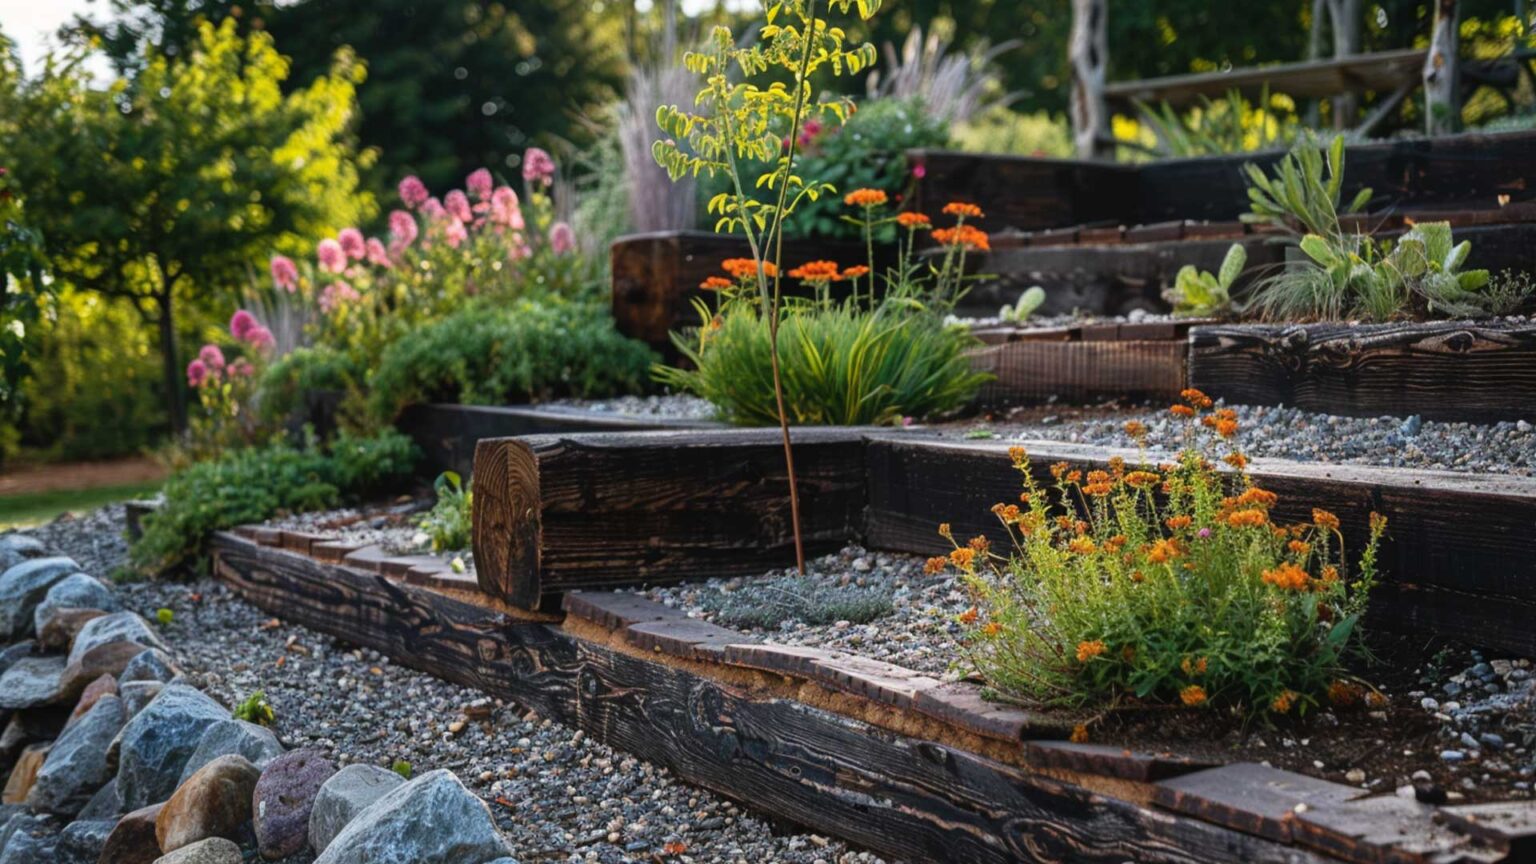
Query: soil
[30,479]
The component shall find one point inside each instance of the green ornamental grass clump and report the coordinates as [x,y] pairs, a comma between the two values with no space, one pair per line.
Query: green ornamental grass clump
[1166,584]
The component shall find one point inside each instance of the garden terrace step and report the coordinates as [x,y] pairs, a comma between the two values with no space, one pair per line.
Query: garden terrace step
[866,772]
[1083,363]
[608,511]
[1459,371]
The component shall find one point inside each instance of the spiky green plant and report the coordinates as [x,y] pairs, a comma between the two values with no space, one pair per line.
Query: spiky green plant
[1298,191]
[1199,293]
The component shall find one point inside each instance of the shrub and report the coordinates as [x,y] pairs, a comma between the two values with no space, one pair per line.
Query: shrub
[1165,584]
[451,521]
[303,370]
[253,484]
[488,355]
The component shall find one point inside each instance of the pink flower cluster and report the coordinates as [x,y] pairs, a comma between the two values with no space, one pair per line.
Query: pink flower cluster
[538,167]
[211,368]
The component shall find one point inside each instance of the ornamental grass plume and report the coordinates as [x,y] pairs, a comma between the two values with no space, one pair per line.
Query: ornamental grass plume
[1176,584]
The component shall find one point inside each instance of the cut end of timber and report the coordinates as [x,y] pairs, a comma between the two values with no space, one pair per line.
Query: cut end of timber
[507,520]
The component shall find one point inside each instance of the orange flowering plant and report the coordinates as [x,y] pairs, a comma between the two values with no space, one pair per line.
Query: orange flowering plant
[1176,583]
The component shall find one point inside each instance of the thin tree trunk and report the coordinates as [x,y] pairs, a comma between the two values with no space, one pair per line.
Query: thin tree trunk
[1345,15]
[175,396]
[1314,52]
[1442,109]
[1088,53]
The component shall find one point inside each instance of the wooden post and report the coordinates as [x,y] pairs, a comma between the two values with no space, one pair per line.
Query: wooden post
[1088,53]
[1345,17]
[1442,103]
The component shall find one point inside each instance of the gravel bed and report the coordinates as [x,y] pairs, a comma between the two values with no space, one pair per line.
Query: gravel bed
[556,794]
[871,603]
[1135,316]
[1286,433]
[675,406]
[395,528]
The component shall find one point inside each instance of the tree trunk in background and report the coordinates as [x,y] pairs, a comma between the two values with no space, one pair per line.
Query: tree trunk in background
[1088,53]
[175,402]
[1345,16]
[1442,109]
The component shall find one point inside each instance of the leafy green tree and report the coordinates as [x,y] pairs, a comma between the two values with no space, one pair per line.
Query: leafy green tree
[168,187]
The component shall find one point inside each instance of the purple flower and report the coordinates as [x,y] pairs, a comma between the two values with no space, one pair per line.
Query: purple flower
[197,373]
[285,273]
[1204,533]
[212,357]
[331,255]
[242,324]
[479,184]
[412,191]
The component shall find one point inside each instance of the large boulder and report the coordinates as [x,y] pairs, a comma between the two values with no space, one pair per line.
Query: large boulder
[11,653]
[215,850]
[82,840]
[117,627]
[284,798]
[234,737]
[137,694]
[214,802]
[32,682]
[76,591]
[33,840]
[23,586]
[132,840]
[430,820]
[24,774]
[16,548]
[76,766]
[151,664]
[349,792]
[107,659]
[153,748]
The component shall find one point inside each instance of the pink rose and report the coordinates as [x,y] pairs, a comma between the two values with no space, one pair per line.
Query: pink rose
[562,239]
[285,273]
[241,324]
[479,184]
[412,191]
[331,256]
[351,241]
[457,205]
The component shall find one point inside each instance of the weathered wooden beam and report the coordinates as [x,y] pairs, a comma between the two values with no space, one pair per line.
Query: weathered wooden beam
[554,513]
[1442,103]
[1081,372]
[1440,371]
[447,434]
[902,797]
[1459,559]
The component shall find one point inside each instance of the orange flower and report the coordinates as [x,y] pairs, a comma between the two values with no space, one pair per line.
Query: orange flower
[1179,523]
[1256,497]
[1088,650]
[935,566]
[969,616]
[1193,695]
[913,221]
[1226,428]
[1330,575]
[1378,523]
[1099,490]
[855,272]
[1345,694]
[1074,476]
[1182,411]
[1018,455]
[962,557]
[1079,734]
[963,210]
[964,235]
[1081,545]
[716,283]
[1141,479]
[944,530]
[1135,428]
[1164,551]
[1114,543]
[1299,547]
[1195,397]
[1284,701]
[1287,577]
[979,543]
[1236,460]
[816,271]
[746,268]
[865,198]
[1193,668]
[992,628]
[1247,518]
[1324,520]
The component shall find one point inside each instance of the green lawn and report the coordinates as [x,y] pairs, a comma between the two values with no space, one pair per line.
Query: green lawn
[37,507]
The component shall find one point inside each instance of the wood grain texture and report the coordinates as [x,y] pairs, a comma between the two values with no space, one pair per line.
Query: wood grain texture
[555,513]
[447,434]
[1440,371]
[1459,557]
[1028,371]
[903,798]
[1025,193]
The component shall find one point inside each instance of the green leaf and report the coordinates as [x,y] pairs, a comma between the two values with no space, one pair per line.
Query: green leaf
[1232,266]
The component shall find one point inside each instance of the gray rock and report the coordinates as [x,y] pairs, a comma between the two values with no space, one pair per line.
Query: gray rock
[11,654]
[151,664]
[137,694]
[24,586]
[117,627]
[16,548]
[233,737]
[33,840]
[76,766]
[13,817]
[284,798]
[350,791]
[430,820]
[154,747]
[103,805]
[31,682]
[77,591]
[82,840]
[214,850]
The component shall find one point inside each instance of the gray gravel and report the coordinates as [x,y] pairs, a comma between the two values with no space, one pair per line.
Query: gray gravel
[558,795]
[918,630]
[1288,433]
[674,406]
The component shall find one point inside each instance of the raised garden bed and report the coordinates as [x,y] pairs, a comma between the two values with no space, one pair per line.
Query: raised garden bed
[884,757]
